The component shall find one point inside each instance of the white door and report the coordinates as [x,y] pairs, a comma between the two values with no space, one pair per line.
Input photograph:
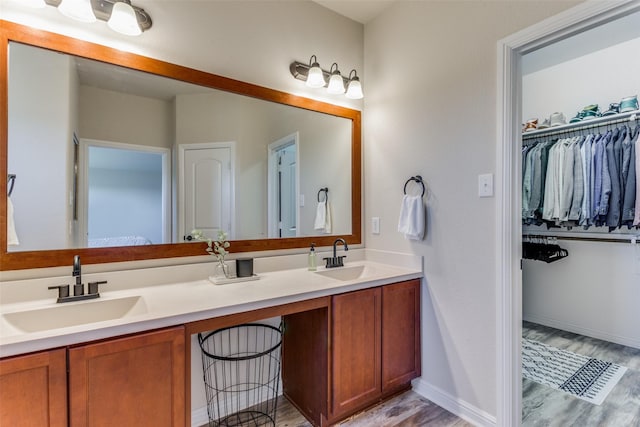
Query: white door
[287,191]
[207,190]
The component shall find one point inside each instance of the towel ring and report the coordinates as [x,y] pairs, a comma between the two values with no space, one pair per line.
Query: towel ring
[326,194]
[417,179]
[11,179]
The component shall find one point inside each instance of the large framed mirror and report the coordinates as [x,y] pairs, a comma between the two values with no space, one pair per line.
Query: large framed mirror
[117,157]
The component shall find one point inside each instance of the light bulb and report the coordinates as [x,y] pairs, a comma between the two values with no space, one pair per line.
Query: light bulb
[336,83]
[315,77]
[80,10]
[354,88]
[123,19]
[35,4]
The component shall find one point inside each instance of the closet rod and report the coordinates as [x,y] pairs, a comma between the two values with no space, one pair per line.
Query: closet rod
[629,116]
[630,239]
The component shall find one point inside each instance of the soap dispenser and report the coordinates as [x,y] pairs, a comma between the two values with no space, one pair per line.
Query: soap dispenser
[312,258]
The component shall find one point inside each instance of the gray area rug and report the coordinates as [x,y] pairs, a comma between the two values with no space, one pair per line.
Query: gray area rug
[583,377]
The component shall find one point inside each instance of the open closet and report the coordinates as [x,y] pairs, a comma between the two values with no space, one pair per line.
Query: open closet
[581,234]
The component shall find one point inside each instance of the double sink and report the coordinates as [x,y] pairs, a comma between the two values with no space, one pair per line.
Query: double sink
[58,316]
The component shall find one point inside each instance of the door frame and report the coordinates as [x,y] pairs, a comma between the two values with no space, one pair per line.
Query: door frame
[508,196]
[83,159]
[272,179]
[231,145]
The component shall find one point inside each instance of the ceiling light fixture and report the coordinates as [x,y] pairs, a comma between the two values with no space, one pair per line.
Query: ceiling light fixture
[336,82]
[80,10]
[120,15]
[123,19]
[314,76]
[354,88]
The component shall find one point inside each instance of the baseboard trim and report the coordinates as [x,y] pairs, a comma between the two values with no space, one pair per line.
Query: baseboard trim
[594,333]
[456,406]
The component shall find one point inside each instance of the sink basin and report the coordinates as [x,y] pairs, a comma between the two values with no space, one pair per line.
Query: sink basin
[347,273]
[72,314]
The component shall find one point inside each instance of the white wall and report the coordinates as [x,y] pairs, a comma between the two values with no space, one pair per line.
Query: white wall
[595,290]
[430,109]
[325,154]
[41,94]
[106,115]
[325,161]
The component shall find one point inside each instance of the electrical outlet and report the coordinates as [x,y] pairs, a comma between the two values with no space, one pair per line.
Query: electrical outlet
[375,225]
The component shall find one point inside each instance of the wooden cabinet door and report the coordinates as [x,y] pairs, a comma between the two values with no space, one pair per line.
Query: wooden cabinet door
[355,353]
[400,334]
[33,389]
[130,381]
[305,354]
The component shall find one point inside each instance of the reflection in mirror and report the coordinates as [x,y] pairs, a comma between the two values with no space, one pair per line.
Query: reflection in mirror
[67,116]
[109,156]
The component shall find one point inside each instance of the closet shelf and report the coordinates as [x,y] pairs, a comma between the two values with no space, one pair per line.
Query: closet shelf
[588,124]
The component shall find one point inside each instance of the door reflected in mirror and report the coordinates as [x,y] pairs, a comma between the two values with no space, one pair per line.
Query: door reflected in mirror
[160,157]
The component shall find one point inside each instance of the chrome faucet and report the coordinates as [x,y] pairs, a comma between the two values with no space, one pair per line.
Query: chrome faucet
[78,288]
[337,261]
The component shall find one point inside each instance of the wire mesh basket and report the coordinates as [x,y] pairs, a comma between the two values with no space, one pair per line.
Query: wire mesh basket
[241,367]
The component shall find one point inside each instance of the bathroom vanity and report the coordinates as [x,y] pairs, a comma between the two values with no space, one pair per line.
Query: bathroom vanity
[351,339]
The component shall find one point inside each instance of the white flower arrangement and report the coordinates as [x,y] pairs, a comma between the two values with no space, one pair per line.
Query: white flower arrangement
[216,248]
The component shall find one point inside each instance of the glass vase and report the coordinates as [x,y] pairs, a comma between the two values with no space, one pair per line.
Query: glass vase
[221,270]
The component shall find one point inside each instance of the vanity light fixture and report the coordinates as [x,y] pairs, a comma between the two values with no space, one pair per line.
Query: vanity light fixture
[314,76]
[120,15]
[123,19]
[80,10]
[354,88]
[336,83]
[35,4]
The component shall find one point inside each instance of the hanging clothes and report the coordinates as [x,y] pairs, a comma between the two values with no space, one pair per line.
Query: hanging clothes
[584,180]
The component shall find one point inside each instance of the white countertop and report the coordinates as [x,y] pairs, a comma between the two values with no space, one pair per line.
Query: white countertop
[177,303]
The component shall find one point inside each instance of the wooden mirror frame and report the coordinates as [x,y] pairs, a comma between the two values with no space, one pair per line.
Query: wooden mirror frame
[52,258]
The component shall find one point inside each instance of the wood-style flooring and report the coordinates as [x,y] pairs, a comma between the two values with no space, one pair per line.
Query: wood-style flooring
[543,406]
[406,410]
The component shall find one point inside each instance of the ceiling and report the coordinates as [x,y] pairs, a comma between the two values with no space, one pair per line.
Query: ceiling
[601,37]
[361,11]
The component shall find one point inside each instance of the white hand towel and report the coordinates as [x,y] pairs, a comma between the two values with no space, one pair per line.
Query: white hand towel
[321,215]
[327,219]
[322,222]
[412,218]
[12,237]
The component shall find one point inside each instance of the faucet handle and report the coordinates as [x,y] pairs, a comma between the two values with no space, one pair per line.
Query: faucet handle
[93,286]
[63,291]
[332,262]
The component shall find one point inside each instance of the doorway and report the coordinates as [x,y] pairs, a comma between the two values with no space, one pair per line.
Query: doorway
[284,181]
[508,200]
[125,194]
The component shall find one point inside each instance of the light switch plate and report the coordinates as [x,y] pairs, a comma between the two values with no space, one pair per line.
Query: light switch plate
[375,225]
[485,185]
